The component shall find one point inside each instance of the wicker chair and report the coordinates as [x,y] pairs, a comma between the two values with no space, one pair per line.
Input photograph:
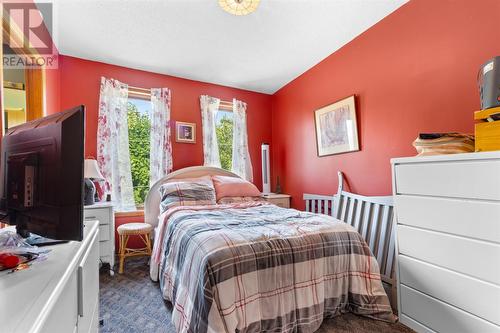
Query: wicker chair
[143,230]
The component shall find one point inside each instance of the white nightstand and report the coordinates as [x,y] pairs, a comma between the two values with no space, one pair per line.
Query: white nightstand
[281,200]
[103,212]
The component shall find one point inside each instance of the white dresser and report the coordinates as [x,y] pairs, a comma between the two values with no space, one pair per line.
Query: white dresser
[448,242]
[58,295]
[103,212]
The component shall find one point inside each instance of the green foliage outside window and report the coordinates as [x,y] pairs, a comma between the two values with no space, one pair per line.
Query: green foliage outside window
[139,127]
[224,132]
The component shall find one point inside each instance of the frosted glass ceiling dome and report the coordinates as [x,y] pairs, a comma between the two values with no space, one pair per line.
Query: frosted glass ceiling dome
[239,7]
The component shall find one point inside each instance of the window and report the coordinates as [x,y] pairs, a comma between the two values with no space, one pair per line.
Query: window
[224,132]
[139,128]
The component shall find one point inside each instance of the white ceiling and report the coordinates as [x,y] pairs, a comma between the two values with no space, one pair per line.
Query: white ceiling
[196,39]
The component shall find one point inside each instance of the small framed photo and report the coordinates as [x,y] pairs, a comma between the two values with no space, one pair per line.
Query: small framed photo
[336,128]
[185,132]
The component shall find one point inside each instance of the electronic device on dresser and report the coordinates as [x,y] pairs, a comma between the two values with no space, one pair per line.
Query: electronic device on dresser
[42,177]
[489,83]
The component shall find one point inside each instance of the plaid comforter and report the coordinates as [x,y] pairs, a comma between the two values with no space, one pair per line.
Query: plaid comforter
[256,267]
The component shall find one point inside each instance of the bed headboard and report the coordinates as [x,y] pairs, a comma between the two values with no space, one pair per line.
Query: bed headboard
[152,202]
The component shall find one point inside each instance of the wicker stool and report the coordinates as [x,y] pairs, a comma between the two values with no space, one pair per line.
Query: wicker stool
[143,230]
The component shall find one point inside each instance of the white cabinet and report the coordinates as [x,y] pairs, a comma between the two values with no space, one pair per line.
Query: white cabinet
[59,294]
[103,212]
[88,278]
[448,241]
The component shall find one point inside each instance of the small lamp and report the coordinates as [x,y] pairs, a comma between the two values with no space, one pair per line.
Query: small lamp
[91,171]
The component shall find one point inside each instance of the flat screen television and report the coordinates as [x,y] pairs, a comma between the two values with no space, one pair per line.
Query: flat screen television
[42,177]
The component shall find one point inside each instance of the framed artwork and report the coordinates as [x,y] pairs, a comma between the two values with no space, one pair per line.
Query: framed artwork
[336,128]
[185,132]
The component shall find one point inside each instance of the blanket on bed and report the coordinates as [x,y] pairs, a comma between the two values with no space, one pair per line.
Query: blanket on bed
[257,267]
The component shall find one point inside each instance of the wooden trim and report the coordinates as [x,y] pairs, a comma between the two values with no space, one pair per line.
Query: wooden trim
[13,85]
[34,93]
[137,213]
[226,106]
[140,93]
[144,90]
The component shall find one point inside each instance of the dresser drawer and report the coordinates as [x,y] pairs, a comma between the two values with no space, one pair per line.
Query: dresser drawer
[472,295]
[468,256]
[439,316]
[100,214]
[459,179]
[88,287]
[469,218]
[104,233]
[63,316]
[105,249]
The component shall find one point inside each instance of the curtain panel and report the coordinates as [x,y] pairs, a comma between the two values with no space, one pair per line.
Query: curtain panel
[209,107]
[241,163]
[160,156]
[113,155]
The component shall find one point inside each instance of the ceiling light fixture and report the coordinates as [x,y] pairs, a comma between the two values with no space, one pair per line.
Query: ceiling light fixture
[239,7]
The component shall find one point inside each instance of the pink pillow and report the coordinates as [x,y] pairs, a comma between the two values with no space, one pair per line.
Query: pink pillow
[233,187]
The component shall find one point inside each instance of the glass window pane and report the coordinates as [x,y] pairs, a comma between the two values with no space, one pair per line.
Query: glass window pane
[224,131]
[139,127]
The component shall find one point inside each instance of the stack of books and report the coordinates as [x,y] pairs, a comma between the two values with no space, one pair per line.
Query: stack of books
[443,143]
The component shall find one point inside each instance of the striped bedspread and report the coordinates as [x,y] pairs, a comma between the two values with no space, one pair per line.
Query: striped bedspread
[255,267]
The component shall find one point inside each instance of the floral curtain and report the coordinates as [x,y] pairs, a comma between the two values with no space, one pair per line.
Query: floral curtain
[242,165]
[160,157]
[113,155]
[209,107]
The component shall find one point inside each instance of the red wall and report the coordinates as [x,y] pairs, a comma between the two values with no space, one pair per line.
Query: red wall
[52,90]
[415,71]
[79,84]
[80,79]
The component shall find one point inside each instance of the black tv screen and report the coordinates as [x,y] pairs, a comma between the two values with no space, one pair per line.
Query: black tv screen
[42,164]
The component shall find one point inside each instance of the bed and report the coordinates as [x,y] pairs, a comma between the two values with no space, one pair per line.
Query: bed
[256,267]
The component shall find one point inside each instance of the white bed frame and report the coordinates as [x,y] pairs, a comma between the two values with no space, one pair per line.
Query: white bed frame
[372,217]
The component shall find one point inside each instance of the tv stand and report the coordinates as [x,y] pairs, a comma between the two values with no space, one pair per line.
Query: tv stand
[34,239]
[59,294]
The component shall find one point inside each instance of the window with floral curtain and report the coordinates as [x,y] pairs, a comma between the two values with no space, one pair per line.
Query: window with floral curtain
[134,145]
[113,156]
[161,147]
[225,138]
[209,107]
[242,164]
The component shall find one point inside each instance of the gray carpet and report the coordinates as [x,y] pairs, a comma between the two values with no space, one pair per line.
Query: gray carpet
[131,303]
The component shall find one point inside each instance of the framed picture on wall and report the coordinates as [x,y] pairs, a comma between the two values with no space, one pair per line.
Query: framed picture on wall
[185,132]
[336,128]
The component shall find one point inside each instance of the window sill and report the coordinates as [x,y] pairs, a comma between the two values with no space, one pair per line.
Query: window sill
[137,213]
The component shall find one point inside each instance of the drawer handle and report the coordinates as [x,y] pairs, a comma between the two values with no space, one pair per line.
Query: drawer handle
[90,218]
[80,291]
